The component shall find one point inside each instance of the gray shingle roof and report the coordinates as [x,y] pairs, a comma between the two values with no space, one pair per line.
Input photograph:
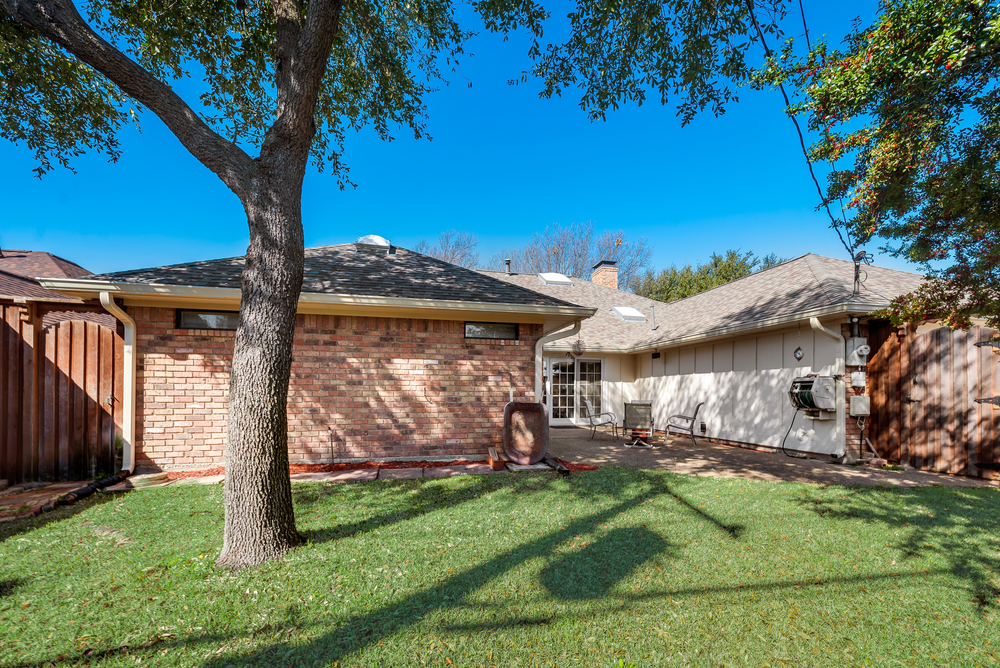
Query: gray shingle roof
[604,330]
[339,270]
[803,284]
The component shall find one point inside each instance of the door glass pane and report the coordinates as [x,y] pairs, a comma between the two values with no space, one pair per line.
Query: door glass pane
[590,383]
[563,403]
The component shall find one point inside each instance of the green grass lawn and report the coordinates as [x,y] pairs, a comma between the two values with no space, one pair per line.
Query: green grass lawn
[612,568]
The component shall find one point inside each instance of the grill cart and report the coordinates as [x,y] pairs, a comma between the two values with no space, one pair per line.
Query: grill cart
[639,418]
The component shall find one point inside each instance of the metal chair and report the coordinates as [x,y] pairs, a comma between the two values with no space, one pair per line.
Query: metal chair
[600,419]
[678,422]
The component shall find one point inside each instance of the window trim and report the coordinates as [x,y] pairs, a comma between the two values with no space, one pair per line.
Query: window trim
[516,337]
[179,325]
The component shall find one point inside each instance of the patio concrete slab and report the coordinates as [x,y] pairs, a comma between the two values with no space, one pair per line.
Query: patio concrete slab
[396,474]
[723,461]
[337,476]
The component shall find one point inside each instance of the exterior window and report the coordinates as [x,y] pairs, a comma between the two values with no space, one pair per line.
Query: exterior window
[207,319]
[491,330]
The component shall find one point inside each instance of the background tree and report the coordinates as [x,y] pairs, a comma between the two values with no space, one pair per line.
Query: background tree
[675,283]
[908,116]
[281,82]
[574,250]
[454,247]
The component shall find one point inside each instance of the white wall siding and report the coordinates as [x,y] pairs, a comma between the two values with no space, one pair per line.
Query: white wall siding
[744,383]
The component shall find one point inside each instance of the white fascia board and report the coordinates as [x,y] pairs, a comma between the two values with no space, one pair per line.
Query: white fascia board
[769,323]
[734,330]
[180,292]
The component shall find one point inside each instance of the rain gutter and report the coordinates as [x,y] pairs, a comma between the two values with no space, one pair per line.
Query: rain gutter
[555,336]
[839,369]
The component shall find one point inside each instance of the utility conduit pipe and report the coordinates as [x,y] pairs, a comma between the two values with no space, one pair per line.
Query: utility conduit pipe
[839,369]
[128,382]
[555,336]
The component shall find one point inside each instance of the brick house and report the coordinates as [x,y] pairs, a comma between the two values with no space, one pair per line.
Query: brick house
[396,354]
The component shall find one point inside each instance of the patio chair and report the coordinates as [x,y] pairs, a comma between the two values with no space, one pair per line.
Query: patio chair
[600,419]
[685,422]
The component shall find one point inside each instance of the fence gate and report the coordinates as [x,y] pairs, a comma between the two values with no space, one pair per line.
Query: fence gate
[928,392]
[60,397]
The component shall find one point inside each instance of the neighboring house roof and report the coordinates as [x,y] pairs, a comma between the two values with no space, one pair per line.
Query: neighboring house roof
[604,330]
[796,289]
[22,289]
[13,286]
[35,264]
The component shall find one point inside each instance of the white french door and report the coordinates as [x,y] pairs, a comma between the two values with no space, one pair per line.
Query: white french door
[568,382]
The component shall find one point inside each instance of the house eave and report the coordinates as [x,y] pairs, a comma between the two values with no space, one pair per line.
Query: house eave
[777,322]
[174,296]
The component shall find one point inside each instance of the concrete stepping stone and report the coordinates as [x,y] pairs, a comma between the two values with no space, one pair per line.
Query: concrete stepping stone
[447,471]
[396,474]
[529,467]
[336,476]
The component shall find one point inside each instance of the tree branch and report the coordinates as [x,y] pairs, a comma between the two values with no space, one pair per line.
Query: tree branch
[299,78]
[60,22]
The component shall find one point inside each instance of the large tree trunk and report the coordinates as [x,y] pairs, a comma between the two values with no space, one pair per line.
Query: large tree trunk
[260,522]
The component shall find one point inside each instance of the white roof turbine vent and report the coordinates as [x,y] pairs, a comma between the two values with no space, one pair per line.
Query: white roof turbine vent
[628,314]
[554,278]
[373,243]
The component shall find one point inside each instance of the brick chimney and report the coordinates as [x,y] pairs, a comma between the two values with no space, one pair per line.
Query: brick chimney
[606,274]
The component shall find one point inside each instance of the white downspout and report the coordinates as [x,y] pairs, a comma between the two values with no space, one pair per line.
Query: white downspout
[555,336]
[128,382]
[839,369]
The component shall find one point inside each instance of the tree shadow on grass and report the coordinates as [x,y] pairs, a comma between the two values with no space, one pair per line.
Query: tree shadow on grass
[369,628]
[595,569]
[408,499]
[8,587]
[962,526]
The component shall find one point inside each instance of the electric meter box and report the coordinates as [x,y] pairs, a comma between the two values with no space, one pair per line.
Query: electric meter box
[861,406]
[816,395]
[857,351]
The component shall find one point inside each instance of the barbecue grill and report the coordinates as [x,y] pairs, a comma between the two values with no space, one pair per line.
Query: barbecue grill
[639,418]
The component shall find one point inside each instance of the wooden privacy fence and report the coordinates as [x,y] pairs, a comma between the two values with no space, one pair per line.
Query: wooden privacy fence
[60,397]
[923,399]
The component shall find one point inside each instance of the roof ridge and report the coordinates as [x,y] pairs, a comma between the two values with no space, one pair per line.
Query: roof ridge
[730,283]
[828,283]
[653,302]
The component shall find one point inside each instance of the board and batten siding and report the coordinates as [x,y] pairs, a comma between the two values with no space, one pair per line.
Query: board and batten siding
[744,383]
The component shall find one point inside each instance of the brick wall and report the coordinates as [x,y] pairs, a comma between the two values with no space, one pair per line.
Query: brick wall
[386,387]
[853,431]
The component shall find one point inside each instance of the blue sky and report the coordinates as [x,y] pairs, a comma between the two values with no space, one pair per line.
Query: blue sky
[503,164]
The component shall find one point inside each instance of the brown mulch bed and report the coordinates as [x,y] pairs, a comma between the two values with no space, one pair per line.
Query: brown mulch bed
[331,468]
[576,468]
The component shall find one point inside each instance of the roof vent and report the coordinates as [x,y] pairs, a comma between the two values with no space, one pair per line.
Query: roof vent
[373,243]
[554,278]
[628,314]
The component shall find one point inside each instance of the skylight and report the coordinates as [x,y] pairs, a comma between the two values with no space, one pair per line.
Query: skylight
[553,278]
[629,314]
